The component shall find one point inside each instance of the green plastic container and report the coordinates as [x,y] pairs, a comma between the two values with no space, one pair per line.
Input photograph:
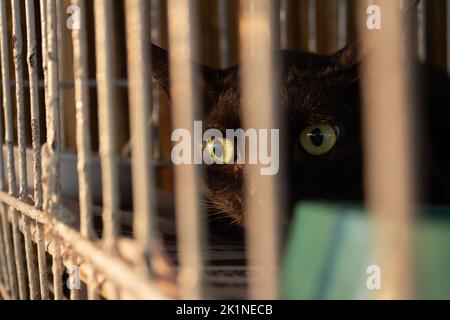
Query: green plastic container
[328,253]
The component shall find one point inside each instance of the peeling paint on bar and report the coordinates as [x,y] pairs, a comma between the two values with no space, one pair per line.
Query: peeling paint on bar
[36,144]
[84,153]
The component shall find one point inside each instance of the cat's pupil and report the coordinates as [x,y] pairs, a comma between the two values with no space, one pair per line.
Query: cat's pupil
[316,137]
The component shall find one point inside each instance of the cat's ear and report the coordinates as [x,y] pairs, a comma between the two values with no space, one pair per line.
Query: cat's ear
[349,56]
[160,67]
[206,81]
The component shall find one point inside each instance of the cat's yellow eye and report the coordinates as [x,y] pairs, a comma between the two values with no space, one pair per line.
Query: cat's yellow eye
[221,150]
[318,139]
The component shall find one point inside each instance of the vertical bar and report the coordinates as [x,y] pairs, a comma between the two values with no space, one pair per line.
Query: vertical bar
[53,124]
[342,23]
[312,25]
[51,57]
[60,29]
[84,154]
[75,293]
[5,238]
[139,70]
[284,25]
[447,19]
[387,116]
[36,144]
[57,269]
[224,45]
[92,289]
[185,109]
[258,25]
[34,101]
[18,67]
[9,140]
[107,119]
[421,31]
[10,267]
[3,264]
[156,35]
[42,262]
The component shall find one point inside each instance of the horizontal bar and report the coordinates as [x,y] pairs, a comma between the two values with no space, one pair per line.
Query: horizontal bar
[67,84]
[117,271]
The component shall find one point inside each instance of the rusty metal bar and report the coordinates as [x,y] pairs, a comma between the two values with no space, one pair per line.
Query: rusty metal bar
[185,109]
[389,100]
[259,37]
[23,193]
[107,120]
[140,95]
[80,54]
[52,104]
[9,141]
[42,263]
[36,144]
[34,101]
[53,131]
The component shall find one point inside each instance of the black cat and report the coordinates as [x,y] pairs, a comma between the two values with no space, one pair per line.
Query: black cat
[321,98]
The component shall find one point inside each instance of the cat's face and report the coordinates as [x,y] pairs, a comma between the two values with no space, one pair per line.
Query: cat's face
[320,99]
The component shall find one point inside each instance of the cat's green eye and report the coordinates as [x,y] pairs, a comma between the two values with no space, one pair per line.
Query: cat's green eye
[318,139]
[221,150]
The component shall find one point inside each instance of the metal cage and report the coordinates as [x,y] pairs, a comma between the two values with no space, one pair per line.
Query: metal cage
[42,245]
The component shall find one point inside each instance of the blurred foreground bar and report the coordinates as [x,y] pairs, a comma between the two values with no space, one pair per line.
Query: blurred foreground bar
[387,121]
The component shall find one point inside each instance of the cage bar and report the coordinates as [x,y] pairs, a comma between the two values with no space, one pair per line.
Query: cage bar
[388,102]
[107,120]
[10,266]
[185,109]
[140,95]
[84,153]
[23,192]
[9,141]
[258,25]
